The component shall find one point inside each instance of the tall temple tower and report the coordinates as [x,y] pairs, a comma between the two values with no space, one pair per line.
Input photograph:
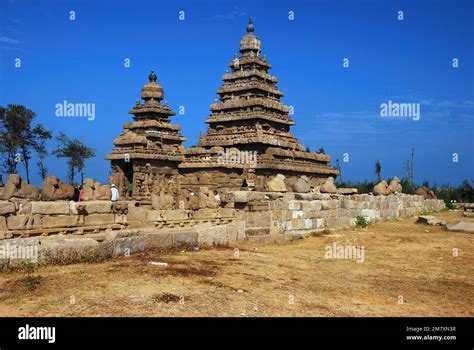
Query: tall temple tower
[249,120]
[149,150]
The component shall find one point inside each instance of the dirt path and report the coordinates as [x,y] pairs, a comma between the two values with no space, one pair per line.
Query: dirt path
[407,270]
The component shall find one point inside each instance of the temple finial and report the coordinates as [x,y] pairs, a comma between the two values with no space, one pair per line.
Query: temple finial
[250,27]
[152,76]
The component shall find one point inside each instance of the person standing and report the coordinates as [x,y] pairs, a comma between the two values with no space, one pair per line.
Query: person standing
[130,190]
[115,193]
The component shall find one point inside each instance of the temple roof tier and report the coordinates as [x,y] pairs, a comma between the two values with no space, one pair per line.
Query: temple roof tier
[151,124]
[243,61]
[233,140]
[239,103]
[243,74]
[244,86]
[245,115]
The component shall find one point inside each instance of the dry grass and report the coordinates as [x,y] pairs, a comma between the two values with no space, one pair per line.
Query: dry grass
[294,279]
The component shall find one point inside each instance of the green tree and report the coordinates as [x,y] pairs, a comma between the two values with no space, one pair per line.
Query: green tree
[42,135]
[76,154]
[378,169]
[18,137]
[10,141]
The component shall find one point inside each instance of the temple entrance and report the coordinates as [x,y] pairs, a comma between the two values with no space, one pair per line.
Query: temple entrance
[127,169]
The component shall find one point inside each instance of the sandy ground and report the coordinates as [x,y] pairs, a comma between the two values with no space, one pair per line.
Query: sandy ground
[408,270]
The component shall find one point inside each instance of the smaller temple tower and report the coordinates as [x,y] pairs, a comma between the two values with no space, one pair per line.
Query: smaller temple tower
[150,148]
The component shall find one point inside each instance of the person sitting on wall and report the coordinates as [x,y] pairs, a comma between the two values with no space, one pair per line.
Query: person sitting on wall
[115,193]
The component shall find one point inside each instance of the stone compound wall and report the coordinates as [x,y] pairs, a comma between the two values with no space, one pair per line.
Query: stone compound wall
[68,231]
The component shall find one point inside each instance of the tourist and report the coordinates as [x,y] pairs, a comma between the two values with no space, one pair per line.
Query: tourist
[115,193]
[81,193]
[130,190]
[216,196]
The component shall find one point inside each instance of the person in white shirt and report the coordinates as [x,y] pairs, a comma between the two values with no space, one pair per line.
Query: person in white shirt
[115,193]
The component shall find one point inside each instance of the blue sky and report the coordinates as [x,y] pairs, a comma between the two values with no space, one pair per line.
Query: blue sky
[337,108]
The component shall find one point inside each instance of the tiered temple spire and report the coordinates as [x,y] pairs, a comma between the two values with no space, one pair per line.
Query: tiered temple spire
[249,116]
[150,146]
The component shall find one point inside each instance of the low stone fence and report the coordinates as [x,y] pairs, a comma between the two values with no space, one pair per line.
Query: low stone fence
[68,231]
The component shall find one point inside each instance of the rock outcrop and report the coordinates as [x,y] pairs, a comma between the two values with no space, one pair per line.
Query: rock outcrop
[328,186]
[53,189]
[301,185]
[385,189]
[93,190]
[425,192]
[395,185]
[15,187]
[277,184]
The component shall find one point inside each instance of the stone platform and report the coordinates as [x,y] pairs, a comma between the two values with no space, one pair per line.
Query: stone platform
[63,230]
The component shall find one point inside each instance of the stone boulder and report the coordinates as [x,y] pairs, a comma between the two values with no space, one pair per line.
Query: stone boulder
[53,189]
[301,185]
[395,185]
[277,184]
[162,201]
[425,193]
[15,187]
[93,190]
[328,186]
[461,226]
[381,189]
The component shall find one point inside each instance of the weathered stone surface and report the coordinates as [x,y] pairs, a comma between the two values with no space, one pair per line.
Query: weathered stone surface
[7,207]
[98,219]
[185,238]
[209,234]
[425,193]
[158,240]
[461,226]
[62,250]
[23,222]
[346,191]
[102,192]
[162,201]
[93,190]
[136,214]
[328,186]
[277,184]
[203,214]
[244,196]
[53,189]
[15,187]
[395,185]
[50,208]
[3,223]
[381,189]
[430,220]
[60,221]
[120,207]
[24,208]
[98,207]
[301,185]
[128,245]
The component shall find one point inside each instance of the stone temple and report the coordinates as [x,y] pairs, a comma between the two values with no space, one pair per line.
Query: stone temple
[248,139]
[149,150]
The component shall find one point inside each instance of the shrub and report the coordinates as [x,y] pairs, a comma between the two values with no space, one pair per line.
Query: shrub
[361,222]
